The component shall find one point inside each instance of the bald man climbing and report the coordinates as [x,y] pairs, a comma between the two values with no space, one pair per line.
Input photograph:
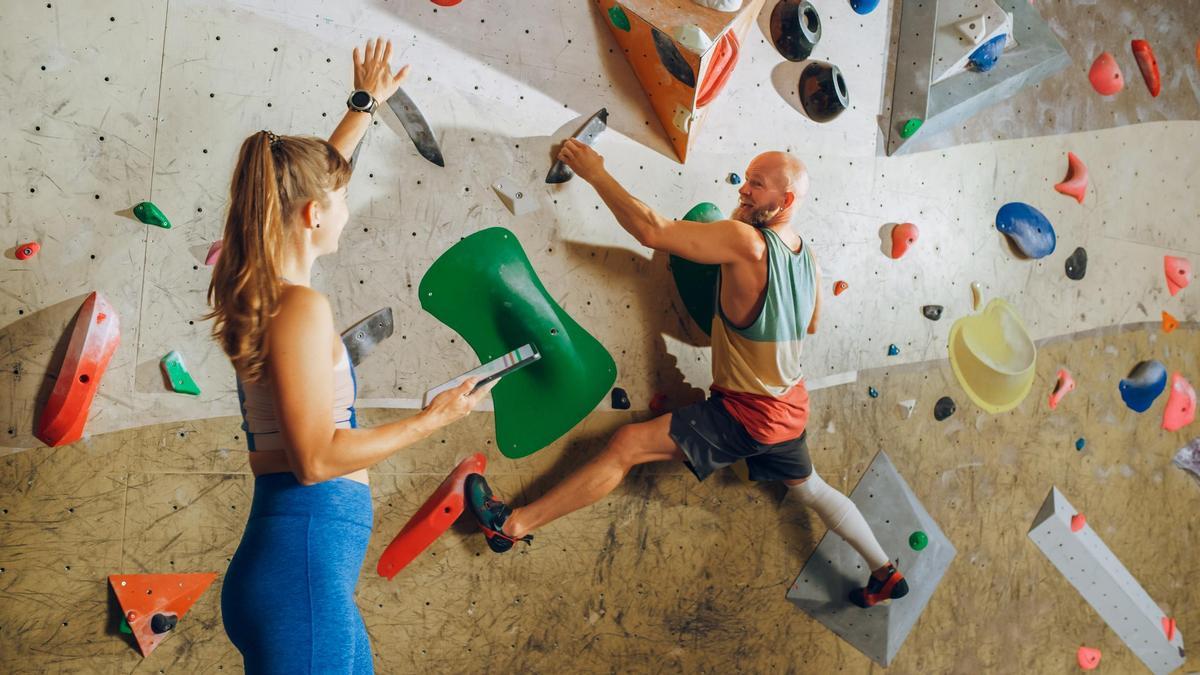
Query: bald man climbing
[769,297]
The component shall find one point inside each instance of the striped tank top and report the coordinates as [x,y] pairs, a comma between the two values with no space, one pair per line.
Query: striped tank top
[260,420]
[756,369]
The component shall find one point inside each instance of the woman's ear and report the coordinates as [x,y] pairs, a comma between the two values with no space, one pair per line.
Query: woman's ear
[310,215]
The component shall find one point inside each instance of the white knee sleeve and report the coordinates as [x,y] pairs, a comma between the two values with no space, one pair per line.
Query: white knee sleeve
[842,516]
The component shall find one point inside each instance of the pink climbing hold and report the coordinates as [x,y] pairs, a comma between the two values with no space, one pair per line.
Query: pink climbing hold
[1065,385]
[1168,625]
[1088,657]
[1076,183]
[214,252]
[904,235]
[1178,271]
[1106,75]
[1077,522]
[1181,404]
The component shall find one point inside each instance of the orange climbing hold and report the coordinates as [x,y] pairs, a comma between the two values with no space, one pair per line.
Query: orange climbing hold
[94,337]
[1148,65]
[1076,182]
[1168,625]
[1178,271]
[152,604]
[840,287]
[1088,657]
[1169,323]
[724,58]
[904,236]
[1065,385]
[1106,75]
[1077,522]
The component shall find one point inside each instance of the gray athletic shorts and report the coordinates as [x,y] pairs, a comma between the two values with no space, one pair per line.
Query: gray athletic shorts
[711,439]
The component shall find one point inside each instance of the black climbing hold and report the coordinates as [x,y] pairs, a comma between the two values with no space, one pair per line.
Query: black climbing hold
[1077,264]
[823,91]
[620,400]
[672,59]
[795,28]
[161,623]
[932,312]
[943,408]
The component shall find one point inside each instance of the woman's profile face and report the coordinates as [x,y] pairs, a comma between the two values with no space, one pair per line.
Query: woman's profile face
[333,216]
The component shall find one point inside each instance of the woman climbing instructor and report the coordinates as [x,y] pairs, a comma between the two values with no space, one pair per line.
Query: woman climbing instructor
[288,595]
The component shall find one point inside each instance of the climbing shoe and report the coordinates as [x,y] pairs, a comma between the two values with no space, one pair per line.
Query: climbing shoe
[490,514]
[876,591]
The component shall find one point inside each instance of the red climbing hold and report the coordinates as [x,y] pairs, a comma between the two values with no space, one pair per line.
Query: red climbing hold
[840,287]
[1106,75]
[904,235]
[146,597]
[1066,384]
[94,337]
[658,404]
[1178,271]
[1076,183]
[1077,522]
[445,3]
[1168,625]
[1088,657]
[1181,404]
[434,517]
[1169,323]
[1148,64]
[721,65]
[27,250]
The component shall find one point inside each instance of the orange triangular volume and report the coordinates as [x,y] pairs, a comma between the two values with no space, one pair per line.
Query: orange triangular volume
[168,596]
[1076,182]
[1170,323]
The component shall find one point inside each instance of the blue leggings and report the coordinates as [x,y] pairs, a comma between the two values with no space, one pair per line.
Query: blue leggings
[288,595]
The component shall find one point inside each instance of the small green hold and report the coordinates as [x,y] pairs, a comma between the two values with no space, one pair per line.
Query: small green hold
[910,127]
[872,392]
[1080,443]
[618,18]
[181,380]
[150,214]
[918,540]
[125,627]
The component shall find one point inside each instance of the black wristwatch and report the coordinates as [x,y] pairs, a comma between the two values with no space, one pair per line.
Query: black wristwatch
[361,100]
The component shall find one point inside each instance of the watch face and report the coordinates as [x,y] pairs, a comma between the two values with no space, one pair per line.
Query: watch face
[361,99]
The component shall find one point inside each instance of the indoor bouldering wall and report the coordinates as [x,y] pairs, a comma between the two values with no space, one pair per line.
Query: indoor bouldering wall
[115,104]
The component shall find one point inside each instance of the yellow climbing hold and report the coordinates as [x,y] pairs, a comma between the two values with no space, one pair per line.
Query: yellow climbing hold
[993,357]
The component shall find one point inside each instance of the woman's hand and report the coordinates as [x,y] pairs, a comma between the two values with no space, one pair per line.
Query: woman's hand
[454,404]
[372,72]
[583,160]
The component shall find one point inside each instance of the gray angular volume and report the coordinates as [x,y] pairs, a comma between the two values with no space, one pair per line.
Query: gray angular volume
[363,336]
[834,569]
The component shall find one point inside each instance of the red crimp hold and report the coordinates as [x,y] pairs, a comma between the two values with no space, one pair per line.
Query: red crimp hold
[28,250]
[904,236]
[1144,53]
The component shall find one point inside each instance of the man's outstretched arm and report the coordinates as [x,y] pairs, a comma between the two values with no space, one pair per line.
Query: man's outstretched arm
[720,242]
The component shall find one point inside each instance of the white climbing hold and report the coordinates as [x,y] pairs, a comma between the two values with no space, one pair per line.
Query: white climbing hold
[974,28]
[906,407]
[720,5]
[682,119]
[692,37]
[516,200]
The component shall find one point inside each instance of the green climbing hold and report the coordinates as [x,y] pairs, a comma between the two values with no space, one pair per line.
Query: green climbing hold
[181,379]
[697,283]
[125,627]
[618,18]
[910,127]
[150,214]
[918,540]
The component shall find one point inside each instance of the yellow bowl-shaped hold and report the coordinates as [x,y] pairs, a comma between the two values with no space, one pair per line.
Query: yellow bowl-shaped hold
[993,357]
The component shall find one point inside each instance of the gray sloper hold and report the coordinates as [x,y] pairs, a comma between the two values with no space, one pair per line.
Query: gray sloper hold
[561,173]
[1077,264]
[361,338]
[943,408]
[672,59]
[932,312]
[795,29]
[418,129]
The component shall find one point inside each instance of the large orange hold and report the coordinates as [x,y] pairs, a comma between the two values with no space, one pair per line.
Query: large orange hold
[153,603]
[434,517]
[724,59]
[94,338]
[1106,75]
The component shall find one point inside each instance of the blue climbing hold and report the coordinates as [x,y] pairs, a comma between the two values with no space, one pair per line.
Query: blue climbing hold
[1029,230]
[735,179]
[1145,382]
[893,350]
[872,393]
[1080,443]
[985,57]
[863,6]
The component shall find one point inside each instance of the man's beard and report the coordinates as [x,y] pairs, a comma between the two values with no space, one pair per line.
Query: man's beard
[759,218]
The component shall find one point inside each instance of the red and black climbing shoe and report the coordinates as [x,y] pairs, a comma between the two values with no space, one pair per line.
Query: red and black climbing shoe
[490,514]
[891,588]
